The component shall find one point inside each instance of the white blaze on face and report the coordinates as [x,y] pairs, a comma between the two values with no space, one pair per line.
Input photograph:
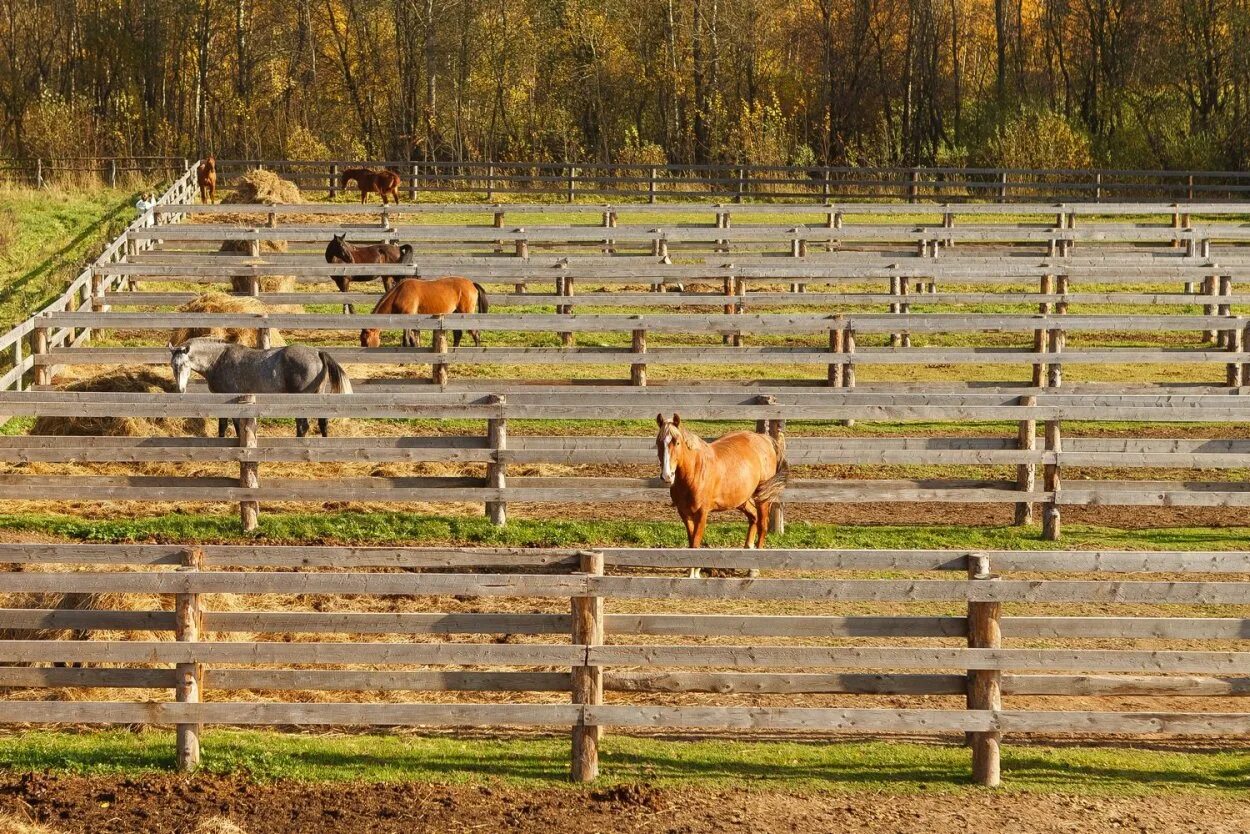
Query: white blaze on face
[666,459]
[182,371]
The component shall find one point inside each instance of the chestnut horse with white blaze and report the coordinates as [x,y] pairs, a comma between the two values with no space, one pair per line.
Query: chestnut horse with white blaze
[206,179]
[380,180]
[433,296]
[742,470]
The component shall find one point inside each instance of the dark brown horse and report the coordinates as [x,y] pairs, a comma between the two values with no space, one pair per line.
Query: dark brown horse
[436,297]
[339,251]
[380,180]
[743,470]
[206,178]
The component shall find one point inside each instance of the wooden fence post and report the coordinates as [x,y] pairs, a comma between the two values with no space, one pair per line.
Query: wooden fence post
[1026,473]
[38,173]
[984,685]
[497,471]
[1050,515]
[566,290]
[113,173]
[638,370]
[249,471]
[1225,289]
[835,346]
[1235,345]
[848,369]
[651,184]
[189,677]
[413,181]
[1245,366]
[896,339]
[334,180]
[490,182]
[438,370]
[1054,371]
[39,348]
[588,631]
[1040,345]
[1209,287]
[572,179]
[742,184]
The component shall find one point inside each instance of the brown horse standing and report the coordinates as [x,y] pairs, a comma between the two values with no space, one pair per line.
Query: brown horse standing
[435,296]
[743,470]
[339,251]
[384,182]
[206,178]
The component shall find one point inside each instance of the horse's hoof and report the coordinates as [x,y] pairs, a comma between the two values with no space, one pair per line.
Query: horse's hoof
[696,573]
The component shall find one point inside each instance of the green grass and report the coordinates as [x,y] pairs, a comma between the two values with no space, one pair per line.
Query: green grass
[48,237]
[852,766]
[352,527]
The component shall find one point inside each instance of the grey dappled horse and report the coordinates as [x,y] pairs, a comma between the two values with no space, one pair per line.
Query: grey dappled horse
[236,369]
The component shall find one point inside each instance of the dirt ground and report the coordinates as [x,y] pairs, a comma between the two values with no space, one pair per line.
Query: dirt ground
[162,804]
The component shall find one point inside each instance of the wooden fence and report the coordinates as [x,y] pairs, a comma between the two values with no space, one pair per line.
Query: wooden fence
[649,659]
[1011,439]
[571,181]
[39,172]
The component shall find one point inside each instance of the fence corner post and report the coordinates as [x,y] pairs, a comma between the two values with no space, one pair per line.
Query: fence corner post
[189,677]
[984,685]
[496,471]
[588,631]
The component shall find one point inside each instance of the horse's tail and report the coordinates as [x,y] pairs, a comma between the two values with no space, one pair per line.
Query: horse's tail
[483,303]
[335,380]
[771,489]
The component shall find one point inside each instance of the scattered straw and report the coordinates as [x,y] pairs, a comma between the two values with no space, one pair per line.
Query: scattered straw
[217,825]
[10,824]
[130,379]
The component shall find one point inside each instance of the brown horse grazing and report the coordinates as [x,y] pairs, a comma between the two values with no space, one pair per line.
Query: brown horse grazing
[384,182]
[206,178]
[339,251]
[743,470]
[434,296]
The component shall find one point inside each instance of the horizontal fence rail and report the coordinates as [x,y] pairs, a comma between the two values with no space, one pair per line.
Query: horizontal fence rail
[252,650]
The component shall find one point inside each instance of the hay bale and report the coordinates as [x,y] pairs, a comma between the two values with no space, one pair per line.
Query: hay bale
[10,824]
[217,302]
[260,186]
[266,283]
[131,379]
[243,247]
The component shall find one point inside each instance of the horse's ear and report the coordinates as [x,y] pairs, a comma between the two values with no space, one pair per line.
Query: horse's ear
[676,419]
[659,420]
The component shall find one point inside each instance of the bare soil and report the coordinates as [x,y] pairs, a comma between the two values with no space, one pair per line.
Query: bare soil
[165,804]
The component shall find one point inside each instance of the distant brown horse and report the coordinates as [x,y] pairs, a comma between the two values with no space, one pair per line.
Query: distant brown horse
[206,177]
[435,296]
[384,182]
[339,251]
[743,470]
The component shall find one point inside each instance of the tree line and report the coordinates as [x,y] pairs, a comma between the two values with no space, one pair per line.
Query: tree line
[1037,83]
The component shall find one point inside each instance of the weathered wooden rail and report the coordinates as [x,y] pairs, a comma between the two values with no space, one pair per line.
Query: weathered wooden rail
[242,654]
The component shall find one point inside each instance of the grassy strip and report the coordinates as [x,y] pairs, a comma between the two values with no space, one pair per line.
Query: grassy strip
[887,766]
[351,527]
[48,236]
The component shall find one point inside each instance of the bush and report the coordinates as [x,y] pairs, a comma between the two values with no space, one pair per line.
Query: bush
[1033,139]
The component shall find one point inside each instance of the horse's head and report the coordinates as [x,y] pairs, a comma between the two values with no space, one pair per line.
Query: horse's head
[670,446]
[336,250]
[370,338]
[180,364]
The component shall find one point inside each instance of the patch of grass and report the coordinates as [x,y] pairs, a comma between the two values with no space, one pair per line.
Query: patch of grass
[353,527]
[48,236]
[886,766]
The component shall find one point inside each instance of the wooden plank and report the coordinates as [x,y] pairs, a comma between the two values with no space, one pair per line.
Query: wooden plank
[758,683]
[33,619]
[347,680]
[321,622]
[37,677]
[739,625]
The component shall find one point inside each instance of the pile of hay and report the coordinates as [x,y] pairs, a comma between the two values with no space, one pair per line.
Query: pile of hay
[131,379]
[217,302]
[259,186]
[266,283]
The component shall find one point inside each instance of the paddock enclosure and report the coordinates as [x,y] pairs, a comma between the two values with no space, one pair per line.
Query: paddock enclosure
[1031,361]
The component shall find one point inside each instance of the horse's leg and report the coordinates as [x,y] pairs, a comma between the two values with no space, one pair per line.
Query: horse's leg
[765,510]
[755,521]
[323,423]
[301,426]
[455,338]
[688,520]
[477,338]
